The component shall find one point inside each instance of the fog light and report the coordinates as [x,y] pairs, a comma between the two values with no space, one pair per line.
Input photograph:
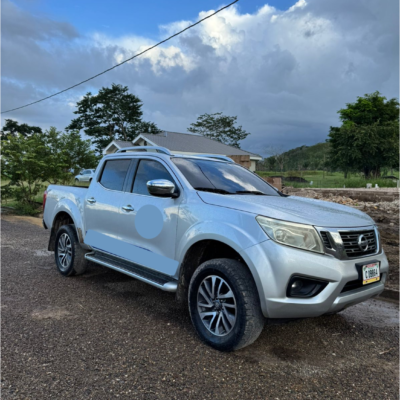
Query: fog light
[297,285]
[304,287]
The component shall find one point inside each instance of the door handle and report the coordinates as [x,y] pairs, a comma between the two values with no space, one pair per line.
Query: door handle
[91,200]
[128,208]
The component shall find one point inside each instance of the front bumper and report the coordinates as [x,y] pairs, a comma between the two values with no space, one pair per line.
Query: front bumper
[273,265]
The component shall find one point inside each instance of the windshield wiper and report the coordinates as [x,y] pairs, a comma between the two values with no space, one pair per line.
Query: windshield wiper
[251,192]
[213,190]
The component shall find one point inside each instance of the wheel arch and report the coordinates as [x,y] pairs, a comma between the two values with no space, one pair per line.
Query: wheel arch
[198,253]
[63,217]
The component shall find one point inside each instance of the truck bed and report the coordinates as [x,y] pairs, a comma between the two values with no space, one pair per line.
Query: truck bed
[75,196]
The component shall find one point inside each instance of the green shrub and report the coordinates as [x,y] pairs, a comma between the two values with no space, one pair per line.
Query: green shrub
[26,209]
[7,193]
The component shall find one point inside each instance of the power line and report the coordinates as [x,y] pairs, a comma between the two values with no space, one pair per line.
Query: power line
[125,61]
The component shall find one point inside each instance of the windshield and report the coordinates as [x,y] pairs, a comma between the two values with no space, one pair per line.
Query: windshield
[221,177]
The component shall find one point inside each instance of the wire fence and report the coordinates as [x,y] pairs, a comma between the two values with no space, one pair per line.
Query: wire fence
[344,183]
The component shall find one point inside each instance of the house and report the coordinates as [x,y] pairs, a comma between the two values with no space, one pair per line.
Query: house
[185,143]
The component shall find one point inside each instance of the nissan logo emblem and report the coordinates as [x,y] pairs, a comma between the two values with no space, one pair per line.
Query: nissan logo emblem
[362,243]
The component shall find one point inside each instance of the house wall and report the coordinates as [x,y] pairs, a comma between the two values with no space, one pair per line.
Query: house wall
[112,149]
[141,142]
[244,161]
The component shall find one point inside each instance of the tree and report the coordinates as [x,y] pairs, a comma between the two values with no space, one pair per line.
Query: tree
[370,109]
[12,127]
[369,136]
[29,161]
[365,148]
[220,128]
[278,154]
[271,163]
[67,152]
[23,162]
[113,113]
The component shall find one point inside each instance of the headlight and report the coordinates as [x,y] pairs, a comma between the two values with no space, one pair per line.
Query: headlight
[296,235]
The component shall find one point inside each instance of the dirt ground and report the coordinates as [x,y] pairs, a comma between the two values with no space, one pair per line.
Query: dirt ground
[388,225]
[104,335]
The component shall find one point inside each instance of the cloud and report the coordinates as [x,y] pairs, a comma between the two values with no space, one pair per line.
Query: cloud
[283,73]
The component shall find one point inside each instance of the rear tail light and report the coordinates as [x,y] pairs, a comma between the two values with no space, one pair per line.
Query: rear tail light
[44,198]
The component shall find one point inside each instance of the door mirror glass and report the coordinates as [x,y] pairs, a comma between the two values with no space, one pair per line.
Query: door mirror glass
[161,188]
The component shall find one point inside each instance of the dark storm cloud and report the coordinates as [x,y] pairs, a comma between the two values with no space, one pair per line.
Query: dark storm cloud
[284,74]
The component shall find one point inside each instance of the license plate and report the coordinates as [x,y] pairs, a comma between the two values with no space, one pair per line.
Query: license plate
[370,273]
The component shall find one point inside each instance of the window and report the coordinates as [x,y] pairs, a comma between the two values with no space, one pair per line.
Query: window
[114,173]
[147,171]
[222,177]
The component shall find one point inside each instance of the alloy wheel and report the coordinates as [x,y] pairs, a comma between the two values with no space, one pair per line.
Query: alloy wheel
[64,252]
[216,305]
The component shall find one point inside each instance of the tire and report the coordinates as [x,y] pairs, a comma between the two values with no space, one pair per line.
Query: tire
[74,263]
[76,180]
[90,180]
[239,317]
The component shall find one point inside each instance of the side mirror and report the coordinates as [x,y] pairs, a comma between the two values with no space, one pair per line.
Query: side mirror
[161,188]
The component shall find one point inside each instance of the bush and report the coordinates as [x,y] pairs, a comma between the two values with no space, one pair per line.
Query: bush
[7,193]
[26,209]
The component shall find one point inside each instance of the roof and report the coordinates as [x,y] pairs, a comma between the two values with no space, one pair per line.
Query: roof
[122,143]
[190,143]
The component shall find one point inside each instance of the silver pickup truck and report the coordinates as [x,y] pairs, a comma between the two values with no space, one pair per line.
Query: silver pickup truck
[234,248]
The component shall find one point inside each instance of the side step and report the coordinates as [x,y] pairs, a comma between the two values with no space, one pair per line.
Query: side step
[144,274]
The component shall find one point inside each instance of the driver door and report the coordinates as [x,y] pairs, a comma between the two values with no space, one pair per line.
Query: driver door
[159,252]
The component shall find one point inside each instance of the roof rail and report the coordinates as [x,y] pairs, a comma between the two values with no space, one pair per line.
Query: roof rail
[216,156]
[157,149]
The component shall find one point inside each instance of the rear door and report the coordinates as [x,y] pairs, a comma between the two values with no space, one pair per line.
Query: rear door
[102,203]
[150,223]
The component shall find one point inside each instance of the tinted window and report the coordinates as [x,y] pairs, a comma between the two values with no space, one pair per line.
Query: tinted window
[114,173]
[220,177]
[147,171]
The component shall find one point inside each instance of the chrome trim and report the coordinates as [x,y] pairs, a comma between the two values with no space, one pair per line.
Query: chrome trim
[168,287]
[338,250]
[160,187]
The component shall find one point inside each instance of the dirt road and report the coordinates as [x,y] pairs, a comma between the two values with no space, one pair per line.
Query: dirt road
[104,335]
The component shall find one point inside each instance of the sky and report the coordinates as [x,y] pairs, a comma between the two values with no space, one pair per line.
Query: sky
[284,68]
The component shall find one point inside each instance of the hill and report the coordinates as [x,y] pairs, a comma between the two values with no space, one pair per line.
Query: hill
[303,157]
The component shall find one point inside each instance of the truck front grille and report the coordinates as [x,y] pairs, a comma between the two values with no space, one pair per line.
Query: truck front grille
[352,246]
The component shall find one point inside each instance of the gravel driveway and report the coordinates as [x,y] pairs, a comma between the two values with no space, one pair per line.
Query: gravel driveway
[104,335]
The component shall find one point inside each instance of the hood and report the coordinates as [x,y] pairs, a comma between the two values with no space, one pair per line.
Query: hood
[293,209]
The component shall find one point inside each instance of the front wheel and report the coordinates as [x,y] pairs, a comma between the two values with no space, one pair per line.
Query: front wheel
[76,181]
[69,255]
[224,305]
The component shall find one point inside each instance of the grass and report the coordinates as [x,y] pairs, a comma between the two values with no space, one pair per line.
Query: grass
[331,179]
